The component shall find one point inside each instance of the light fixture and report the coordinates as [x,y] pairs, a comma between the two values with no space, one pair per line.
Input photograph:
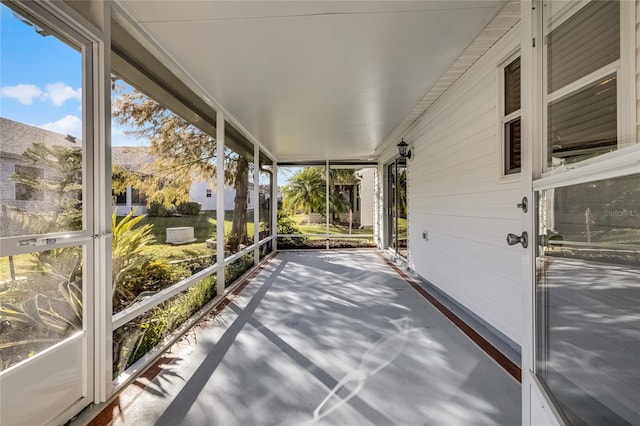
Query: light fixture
[404,150]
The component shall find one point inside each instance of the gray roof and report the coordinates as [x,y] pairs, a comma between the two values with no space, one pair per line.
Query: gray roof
[131,157]
[15,137]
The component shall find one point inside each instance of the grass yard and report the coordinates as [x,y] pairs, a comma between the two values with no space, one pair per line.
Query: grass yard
[23,264]
[203,229]
[320,228]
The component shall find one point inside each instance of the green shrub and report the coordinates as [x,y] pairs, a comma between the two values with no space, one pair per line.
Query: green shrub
[287,225]
[190,208]
[158,210]
[129,254]
[135,339]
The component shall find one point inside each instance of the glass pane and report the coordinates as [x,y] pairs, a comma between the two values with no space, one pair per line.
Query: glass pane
[136,338]
[512,146]
[583,125]
[351,193]
[164,223]
[40,301]
[588,290]
[41,147]
[512,87]
[303,209]
[586,42]
[402,208]
[237,268]
[266,205]
[238,227]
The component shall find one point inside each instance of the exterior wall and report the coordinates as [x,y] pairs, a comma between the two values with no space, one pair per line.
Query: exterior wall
[367,197]
[638,69]
[455,194]
[198,193]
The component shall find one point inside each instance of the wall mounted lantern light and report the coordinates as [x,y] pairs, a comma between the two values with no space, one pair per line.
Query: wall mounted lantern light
[403,149]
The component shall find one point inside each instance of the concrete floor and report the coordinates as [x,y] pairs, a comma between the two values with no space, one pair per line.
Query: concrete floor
[334,338]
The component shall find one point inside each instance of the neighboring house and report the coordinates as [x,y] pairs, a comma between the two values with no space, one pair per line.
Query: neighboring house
[203,192]
[365,193]
[16,138]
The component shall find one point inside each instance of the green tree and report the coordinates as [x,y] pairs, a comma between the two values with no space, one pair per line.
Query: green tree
[61,185]
[305,191]
[180,153]
[339,182]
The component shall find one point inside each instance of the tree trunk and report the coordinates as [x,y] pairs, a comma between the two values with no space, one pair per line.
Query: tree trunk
[239,225]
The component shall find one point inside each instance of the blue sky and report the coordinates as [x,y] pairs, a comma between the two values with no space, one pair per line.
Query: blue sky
[41,80]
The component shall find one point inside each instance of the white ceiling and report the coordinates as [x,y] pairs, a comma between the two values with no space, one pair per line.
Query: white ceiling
[315,80]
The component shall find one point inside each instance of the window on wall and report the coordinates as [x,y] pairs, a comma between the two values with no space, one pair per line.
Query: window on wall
[511,118]
[209,193]
[583,63]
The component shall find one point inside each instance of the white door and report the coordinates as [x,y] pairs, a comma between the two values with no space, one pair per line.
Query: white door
[584,366]
[46,226]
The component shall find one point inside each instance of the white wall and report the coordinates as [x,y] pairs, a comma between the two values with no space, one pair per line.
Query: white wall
[455,194]
[367,196]
[638,68]
[198,193]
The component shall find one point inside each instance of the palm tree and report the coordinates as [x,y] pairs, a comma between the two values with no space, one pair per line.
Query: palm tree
[305,191]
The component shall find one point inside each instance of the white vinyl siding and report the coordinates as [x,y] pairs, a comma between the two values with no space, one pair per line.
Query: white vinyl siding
[637,70]
[456,197]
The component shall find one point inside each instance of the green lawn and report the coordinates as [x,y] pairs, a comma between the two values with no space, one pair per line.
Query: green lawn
[202,230]
[320,228]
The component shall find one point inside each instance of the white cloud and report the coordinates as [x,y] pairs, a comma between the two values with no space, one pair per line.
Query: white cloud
[23,93]
[70,124]
[59,93]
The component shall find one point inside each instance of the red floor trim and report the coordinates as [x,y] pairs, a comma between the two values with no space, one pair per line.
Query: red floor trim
[508,365]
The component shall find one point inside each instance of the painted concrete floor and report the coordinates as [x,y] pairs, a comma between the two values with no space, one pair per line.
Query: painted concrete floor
[333,338]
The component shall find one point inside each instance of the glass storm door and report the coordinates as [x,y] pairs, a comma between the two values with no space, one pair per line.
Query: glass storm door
[46,244]
[397,206]
[587,190]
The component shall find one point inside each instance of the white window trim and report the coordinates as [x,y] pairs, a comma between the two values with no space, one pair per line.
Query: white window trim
[624,68]
[504,177]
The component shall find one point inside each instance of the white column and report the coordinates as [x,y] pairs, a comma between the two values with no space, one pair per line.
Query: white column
[274,206]
[256,203]
[326,202]
[220,199]
[98,111]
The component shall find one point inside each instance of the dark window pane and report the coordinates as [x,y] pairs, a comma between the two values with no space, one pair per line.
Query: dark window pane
[584,124]
[588,291]
[512,87]
[512,146]
[584,43]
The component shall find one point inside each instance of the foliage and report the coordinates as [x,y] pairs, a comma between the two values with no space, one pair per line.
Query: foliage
[235,270]
[305,191]
[180,152]
[288,226]
[189,208]
[135,339]
[158,210]
[129,253]
[60,187]
[42,309]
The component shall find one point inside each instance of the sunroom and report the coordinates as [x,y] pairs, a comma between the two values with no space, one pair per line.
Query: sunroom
[372,212]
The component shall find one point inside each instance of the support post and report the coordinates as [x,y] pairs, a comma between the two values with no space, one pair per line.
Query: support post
[274,207]
[326,202]
[256,203]
[220,200]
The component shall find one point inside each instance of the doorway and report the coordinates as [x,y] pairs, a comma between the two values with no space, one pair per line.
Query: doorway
[397,207]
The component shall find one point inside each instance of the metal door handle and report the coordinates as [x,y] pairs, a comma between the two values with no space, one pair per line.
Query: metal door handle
[523,239]
[524,205]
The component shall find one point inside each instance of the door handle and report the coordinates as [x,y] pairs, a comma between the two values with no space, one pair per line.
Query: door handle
[524,205]
[523,239]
